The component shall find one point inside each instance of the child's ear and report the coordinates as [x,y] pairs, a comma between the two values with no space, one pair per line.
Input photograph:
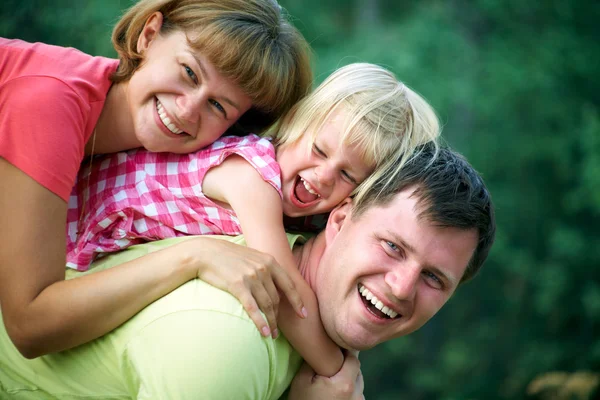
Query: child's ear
[337,218]
[150,31]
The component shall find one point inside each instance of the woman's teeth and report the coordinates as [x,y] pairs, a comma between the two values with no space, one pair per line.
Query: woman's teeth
[165,119]
[308,188]
[366,293]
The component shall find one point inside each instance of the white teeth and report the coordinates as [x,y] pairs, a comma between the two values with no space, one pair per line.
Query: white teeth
[366,293]
[165,119]
[308,188]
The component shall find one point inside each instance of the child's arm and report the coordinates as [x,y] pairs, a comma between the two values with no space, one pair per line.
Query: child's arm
[258,208]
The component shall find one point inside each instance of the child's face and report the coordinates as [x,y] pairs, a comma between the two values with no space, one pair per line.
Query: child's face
[315,180]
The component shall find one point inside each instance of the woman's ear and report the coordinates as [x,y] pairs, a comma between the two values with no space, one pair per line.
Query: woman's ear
[338,216]
[150,31]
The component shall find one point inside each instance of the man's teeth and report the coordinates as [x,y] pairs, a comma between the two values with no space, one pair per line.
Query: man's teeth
[308,188]
[366,293]
[165,119]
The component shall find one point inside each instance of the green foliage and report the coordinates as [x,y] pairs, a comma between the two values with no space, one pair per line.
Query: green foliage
[515,84]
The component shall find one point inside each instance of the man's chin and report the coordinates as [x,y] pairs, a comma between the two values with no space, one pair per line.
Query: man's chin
[353,344]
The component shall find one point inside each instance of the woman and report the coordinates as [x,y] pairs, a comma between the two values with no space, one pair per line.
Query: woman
[187,72]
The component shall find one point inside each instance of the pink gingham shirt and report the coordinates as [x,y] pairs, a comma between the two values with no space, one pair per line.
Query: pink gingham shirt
[139,196]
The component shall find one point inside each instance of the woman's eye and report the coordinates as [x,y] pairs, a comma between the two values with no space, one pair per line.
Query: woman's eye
[218,106]
[190,73]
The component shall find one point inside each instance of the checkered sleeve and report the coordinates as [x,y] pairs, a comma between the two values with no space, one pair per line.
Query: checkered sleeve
[133,197]
[257,151]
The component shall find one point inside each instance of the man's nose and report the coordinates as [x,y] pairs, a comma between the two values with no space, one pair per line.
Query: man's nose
[403,282]
[190,104]
[325,174]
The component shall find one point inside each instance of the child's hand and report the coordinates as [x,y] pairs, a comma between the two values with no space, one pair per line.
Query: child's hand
[347,384]
[253,277]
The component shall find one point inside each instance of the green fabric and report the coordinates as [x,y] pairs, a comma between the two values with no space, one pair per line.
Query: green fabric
[196,342]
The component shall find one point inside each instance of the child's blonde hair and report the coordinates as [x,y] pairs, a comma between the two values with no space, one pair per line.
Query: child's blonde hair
[384,118]
[248,41]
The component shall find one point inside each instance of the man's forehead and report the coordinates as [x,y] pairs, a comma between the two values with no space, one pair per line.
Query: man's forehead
[405,201]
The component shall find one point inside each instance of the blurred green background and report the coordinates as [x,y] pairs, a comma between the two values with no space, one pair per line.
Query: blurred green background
[516,86]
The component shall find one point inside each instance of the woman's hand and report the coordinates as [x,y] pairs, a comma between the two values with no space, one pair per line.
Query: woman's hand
[347,384]
[253,278]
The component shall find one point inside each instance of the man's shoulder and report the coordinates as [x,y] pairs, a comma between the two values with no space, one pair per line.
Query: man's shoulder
[199,340]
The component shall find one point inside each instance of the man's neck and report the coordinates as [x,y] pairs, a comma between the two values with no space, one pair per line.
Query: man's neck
[308,256]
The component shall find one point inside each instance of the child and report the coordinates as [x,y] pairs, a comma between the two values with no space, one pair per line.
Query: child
[327,146]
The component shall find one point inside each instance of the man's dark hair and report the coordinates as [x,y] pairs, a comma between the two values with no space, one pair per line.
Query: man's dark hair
[451,193]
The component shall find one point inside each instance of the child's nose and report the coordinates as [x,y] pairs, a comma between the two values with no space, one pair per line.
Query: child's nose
[325,175]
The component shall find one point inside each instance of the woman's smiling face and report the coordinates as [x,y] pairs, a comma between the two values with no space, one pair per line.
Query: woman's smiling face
[178,101]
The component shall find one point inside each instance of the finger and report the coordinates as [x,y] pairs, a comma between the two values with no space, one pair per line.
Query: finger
[251,307]
[272,291]
[360,383]
[350,368]
[288,288]
[305,375]
[265,303]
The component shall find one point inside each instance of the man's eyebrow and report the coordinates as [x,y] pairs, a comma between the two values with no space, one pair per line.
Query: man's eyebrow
[428,267]
[207,77]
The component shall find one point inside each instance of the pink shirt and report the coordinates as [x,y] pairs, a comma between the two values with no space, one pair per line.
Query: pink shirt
[139,196]
[50,100]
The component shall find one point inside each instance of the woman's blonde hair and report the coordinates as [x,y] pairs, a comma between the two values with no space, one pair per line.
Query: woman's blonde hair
[250,42]
[384,118]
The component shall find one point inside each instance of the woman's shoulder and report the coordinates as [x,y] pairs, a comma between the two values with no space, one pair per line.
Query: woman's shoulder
[83,73]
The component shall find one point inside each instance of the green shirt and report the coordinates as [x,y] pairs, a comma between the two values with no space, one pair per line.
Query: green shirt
[197,342]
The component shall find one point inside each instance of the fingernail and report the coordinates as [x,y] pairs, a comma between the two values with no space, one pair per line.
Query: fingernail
[275,333]
[266,331]
[304,312]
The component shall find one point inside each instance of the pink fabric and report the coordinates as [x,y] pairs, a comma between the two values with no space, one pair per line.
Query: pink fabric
[138,196]
[50,100]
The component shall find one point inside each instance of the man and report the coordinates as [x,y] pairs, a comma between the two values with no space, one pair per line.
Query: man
[383,266]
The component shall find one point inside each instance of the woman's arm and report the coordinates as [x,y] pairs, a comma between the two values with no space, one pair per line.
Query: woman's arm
[42,312]
[258,208]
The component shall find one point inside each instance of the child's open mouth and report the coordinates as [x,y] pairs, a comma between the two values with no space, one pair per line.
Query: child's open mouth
[304,193]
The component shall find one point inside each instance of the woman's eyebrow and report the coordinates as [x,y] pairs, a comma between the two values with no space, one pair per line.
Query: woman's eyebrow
[207,77]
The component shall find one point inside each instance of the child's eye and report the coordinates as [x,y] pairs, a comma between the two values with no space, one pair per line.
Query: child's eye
[218,106]
[349,178]
[318,151]
[190,73]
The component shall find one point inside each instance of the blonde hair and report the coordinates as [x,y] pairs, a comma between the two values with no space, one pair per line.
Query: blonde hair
[248,41]
[384,118]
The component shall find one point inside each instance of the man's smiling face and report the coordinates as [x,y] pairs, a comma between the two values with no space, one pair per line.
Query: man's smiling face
[387,272]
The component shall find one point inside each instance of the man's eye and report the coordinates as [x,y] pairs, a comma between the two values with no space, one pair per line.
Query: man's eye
[218,106]
[190,73]
[435,281]
[392,246]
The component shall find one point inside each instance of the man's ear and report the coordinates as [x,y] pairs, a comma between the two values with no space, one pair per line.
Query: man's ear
[150,31]
[337,217]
